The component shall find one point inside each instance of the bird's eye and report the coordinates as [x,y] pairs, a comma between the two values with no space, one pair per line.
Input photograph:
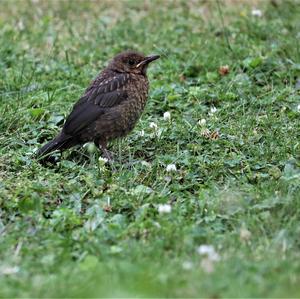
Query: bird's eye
[131,62]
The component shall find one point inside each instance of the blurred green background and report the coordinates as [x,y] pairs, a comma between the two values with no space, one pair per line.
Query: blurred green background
[224,222]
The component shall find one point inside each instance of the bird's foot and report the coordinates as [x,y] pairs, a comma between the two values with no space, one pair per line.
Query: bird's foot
[107,154]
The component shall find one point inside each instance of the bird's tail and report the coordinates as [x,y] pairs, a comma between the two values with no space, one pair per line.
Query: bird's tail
[60,142]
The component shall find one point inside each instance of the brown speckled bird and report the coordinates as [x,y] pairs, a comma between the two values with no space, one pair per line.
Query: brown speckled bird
[110,106]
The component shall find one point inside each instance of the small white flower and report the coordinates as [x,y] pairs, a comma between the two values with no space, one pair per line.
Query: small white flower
[210,256]
[171,167]
[20,25]
[8,270]
[205,249]
[164,208]
[142,133]
[245,234]
[167,116]
[202,122]
[153,125]
[187,265]
[298,108]
[256,12]
[213,110]
[168,179]
[102,161]
[209,251]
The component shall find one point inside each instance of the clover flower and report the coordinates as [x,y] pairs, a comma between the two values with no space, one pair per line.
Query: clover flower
[256,12]
[171,168]
[167,116]
[164,208]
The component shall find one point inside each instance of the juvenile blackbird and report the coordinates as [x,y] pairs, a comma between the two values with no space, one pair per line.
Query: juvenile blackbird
[109,107]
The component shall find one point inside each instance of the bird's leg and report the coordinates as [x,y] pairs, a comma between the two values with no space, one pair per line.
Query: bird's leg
[106,153]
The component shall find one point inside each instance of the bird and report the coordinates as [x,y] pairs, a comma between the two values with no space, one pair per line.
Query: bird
[109,108]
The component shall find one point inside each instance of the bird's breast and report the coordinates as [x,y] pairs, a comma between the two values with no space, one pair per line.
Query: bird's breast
[137,94]
[121,119]
[132,108]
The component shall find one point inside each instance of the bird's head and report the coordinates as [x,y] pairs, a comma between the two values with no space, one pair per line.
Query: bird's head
[131,62]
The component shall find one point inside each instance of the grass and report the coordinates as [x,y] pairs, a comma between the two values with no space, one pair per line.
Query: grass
[78,229]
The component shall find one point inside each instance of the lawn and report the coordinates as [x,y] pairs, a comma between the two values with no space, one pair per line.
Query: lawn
[202,202]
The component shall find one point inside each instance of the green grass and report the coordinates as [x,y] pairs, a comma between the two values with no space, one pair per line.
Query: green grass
[78,229]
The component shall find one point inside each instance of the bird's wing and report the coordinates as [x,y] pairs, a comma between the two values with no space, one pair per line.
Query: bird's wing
[101,95]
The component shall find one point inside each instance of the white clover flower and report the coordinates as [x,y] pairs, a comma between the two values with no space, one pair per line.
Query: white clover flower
[164,208]
[167,116]
[205,249]
[256,12]
[171,167]
[245,234]
[213,110]
[187,265]
[209,251]
[202,122]
[8,270]
[102,161]
[210,256]
[20,25]
[298,108]
[142,133]
[153,125]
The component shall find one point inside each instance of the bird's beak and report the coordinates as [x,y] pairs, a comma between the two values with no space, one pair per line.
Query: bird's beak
[148,59]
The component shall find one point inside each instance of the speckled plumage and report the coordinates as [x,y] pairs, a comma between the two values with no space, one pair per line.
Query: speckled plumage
[110,106]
